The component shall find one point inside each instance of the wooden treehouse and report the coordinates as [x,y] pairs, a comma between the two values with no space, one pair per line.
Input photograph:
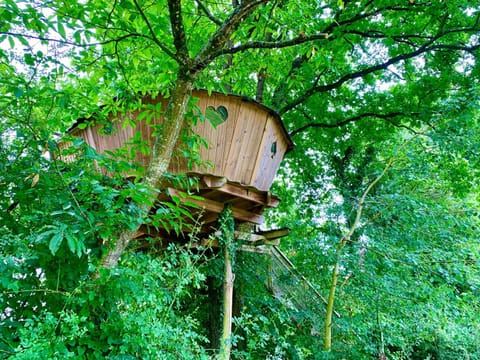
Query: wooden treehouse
[238,166]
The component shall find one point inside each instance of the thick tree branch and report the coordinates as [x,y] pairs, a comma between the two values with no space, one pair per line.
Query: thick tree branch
[428,46]
[262,77]
[352,119]
[158,165]
[214,47]
[72,43]
[178,31]
[272,44]
[207,12]
[281,90]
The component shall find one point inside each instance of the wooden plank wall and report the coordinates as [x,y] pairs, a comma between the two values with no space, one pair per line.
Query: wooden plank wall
[245,143]
[268,162]
[239,149]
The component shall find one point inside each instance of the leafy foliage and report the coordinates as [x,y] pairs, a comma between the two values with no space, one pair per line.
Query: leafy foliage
[131,312]
[411,267]
[357,84]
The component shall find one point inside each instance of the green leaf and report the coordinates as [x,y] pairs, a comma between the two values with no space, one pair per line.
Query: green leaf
[191,204]
[78,141]
[18,92]
[23,41]
[55,242]
[61,29]
[77,35]
[12,42]
[144,114]
[91,153]
[184,212]
[71,242]
[29,59]
[222,110]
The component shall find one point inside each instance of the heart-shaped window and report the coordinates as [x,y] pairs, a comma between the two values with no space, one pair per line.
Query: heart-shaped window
[216,116]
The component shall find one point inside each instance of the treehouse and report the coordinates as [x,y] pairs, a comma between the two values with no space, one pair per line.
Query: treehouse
[246,143]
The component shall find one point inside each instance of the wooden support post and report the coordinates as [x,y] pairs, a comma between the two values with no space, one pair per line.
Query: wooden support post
[226,239]
[228,280]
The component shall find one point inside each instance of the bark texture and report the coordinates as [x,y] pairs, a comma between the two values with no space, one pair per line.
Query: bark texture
[159,161]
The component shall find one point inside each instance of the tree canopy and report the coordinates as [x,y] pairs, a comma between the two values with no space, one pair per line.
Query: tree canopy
[365,88]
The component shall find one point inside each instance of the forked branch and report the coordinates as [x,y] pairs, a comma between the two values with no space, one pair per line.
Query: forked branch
[215,46]
[341,244]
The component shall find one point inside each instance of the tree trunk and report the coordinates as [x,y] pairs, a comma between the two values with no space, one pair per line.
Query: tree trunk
[159,161]
[170,130]
[327,344]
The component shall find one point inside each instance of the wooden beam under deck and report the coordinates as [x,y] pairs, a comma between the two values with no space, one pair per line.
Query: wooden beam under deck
[222,185]
[217,207]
